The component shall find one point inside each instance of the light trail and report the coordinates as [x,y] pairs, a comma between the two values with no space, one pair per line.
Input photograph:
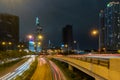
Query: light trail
[57,74]
[19,70]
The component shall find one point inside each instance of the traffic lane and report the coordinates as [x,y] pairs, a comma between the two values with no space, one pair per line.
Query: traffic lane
[57,74]
[19,70]
[42,71]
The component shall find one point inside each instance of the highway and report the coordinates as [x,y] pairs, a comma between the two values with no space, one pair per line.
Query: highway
[19,70]
[57,74]
[47,70]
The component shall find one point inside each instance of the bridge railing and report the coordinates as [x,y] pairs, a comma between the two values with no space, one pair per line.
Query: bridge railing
[98,61]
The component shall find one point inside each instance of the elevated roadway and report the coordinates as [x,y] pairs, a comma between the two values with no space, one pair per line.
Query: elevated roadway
[101,67]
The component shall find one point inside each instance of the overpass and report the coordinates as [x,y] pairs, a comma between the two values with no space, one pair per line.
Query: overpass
[105,67]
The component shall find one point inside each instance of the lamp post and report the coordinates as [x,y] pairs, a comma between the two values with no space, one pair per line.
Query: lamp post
[96,32]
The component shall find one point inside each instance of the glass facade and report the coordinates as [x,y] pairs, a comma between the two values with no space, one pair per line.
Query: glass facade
[110,22]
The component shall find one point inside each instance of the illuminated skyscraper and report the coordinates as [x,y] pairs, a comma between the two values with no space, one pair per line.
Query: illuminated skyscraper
[110,26]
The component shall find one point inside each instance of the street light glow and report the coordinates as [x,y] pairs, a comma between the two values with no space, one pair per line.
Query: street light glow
[94,32]
[30,36]
[10,43]
[39,43]
[40,36]
[3,43]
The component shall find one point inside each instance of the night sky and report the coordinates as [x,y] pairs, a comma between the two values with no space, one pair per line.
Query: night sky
[54,15]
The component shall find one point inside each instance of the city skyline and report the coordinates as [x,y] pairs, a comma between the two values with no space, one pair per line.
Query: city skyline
[54,15]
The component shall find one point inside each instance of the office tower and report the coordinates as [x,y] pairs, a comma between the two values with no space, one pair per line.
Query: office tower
[110,26]
[9,30]
[68,36]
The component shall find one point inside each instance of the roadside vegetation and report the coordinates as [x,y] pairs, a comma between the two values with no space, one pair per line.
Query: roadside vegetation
[4,55]
[9,64]
[28,73]
[13,55]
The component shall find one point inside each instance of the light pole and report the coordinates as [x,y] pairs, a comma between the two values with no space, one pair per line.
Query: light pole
[96,32]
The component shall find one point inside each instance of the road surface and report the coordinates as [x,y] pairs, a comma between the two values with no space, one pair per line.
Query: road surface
[19,70]
[47,70]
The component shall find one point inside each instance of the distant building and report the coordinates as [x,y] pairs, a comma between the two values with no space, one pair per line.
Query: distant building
[68,36]
[9,31]
[110,26]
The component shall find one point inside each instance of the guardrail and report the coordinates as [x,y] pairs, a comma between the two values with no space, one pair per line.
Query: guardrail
[98,61]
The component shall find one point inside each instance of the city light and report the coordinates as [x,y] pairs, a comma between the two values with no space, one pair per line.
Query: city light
[40,37]
[3,43]
[94,32]
[10,43]
[118,51]
[30,37]
[22,45]
[66,45]
[18,46]
[74,42]
[39,43]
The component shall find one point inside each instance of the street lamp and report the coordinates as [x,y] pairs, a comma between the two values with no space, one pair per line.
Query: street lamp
[96,32]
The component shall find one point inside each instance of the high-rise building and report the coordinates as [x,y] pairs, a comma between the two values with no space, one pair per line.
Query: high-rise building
[37,47]
[110,26]
[9,30]
[68,36]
